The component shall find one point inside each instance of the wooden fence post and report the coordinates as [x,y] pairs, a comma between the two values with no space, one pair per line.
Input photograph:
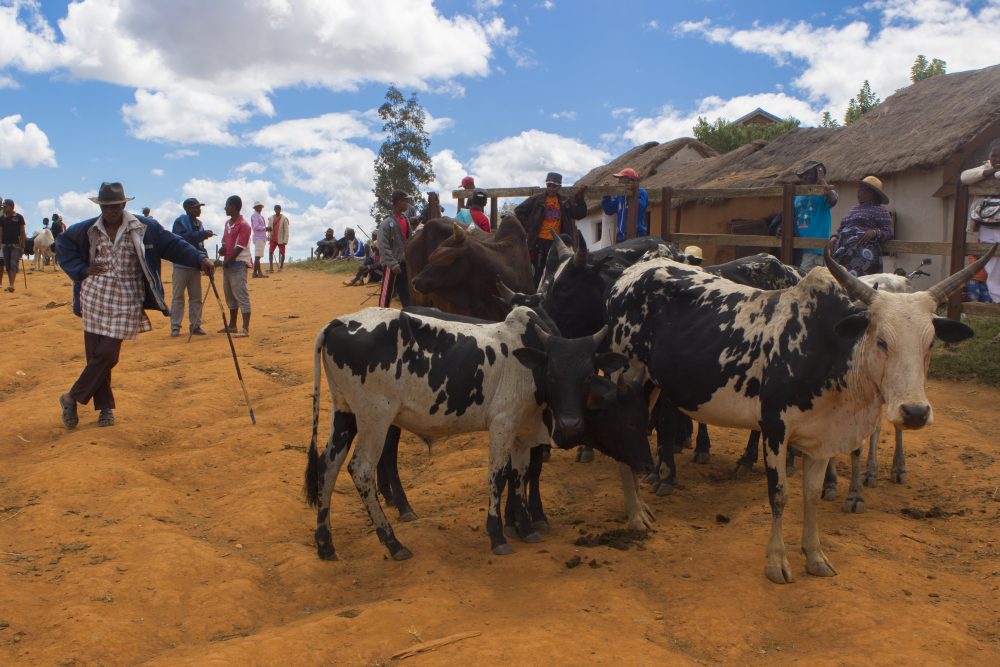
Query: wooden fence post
[666,201]
[787,223]
[958,245]
[631,226]
[493,214]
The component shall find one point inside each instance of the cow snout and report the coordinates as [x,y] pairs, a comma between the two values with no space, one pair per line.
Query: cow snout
[569,429]
[915,414]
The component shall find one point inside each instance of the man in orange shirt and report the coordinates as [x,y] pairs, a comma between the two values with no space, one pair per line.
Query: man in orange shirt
[549,213]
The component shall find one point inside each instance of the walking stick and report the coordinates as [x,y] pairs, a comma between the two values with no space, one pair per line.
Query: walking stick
[204,298]
[225,325]
[24,272]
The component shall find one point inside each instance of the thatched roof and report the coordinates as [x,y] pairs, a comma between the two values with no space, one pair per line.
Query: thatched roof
[646,159]
[919,127]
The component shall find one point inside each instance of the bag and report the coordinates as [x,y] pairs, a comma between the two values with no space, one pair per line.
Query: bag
[988,212]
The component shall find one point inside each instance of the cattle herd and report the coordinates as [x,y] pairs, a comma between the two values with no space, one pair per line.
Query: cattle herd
[613,343]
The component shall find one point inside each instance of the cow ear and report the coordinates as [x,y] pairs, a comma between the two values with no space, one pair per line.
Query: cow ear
[609,362]
[852,326]
[951,331]
[531,357]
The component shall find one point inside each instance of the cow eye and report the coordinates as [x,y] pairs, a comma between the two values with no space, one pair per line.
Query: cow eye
[883,345]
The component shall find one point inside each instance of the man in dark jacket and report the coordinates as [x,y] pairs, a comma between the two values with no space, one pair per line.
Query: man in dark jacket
[114,261]
[549,213]
[190,228]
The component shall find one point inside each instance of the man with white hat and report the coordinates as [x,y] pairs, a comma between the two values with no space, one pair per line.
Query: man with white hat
[114,261]
[258,226]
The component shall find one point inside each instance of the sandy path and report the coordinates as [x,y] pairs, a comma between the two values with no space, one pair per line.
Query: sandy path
[180,536]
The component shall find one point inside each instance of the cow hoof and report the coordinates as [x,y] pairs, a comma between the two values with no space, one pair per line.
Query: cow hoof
[584,455]
[408,516]
[502,550]
[402,553]
[869,480]
[532,538]
[509,530]
[542,525]
[829,493]
[701,457]
[651,479]
[779,574]
[742,468]
[854,505]
[821,568]
[326,552]
[898,477]
[664,488]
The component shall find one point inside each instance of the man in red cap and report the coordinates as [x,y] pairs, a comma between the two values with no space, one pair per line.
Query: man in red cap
[618,206]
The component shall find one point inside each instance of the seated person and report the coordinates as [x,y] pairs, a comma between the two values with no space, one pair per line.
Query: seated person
[371,268]
[326,248]
[350,246]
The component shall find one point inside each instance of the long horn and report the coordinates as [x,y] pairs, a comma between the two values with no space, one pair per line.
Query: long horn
[855,288]
[543,335]
[459,233]
[506,293]
[562,252]
[580,257]
[599,336]
[952,283]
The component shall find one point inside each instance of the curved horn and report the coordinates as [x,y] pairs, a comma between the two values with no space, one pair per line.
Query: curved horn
[949,285]
[459,233]
[506,293]
[543,335]
[562,252]
[580,257]
[599,336]
[856,289]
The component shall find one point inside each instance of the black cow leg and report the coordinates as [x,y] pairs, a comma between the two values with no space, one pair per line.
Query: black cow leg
[899,459]
[702,445]
[323,470]
[830,481]
[746,462]
[498,477]
[362,469]
[389,460]
[533,483]
[669,426]
[855,502]
[584,454]
[546,452]
[387,464]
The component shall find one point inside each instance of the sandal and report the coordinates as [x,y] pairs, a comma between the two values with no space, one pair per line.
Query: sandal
[242,334]
[69,417]
[106,418]
[225,329]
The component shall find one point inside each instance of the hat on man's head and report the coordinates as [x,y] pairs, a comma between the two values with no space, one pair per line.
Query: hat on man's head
[257,204]
[478,198]
[808,166]
[693,251]
[468,181]
[399,195]
[553,177]
[191,202]
[111,193]
[629,173]
[875,185]
[8,202]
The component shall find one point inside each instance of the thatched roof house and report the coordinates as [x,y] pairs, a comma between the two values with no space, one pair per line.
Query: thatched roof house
[649,158]
[917,141]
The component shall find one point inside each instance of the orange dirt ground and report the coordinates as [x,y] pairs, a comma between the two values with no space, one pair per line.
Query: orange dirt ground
[181,537]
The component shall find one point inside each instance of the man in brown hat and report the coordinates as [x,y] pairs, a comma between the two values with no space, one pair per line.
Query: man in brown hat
[114,261]
[392,234]
[549,213]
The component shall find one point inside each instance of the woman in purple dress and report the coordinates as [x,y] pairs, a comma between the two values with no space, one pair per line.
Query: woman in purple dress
[857,245]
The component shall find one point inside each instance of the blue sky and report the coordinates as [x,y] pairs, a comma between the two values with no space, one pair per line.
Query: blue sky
[275,99]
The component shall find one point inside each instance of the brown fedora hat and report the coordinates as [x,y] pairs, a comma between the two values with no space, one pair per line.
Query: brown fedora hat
[111,193]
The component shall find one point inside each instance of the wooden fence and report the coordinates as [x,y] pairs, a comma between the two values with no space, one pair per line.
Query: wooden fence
[669,201]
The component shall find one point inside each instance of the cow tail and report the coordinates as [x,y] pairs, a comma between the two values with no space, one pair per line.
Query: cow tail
[312,467]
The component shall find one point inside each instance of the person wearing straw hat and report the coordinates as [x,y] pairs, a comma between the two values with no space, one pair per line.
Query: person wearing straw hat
[258,227]
[812,212]
[114,262]
[857,245]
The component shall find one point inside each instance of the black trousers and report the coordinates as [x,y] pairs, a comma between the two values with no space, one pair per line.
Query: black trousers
[539,253]
[398,282]
[95,380]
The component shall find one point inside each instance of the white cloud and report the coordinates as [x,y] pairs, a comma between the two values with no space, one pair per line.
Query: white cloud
[317,134]
[652,25]
[564,115]
[836,59]
[434,125]
[28,147]
[448,175]
[672,123]
[71,206]
[181,154]
[251,168]
[483,5]
[549,4]
[156,172]
[523,160]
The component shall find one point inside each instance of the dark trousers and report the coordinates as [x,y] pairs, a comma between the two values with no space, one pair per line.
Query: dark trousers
[95,380]
[398,282]
[539,253]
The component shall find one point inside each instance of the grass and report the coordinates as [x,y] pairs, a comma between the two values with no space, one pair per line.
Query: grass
[974,360]
[335,267]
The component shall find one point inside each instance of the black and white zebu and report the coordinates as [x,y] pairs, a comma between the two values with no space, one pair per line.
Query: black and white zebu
[809,366]
[435,377]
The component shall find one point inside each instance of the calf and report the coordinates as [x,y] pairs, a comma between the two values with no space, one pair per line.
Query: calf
[42,241]
[435,378]
[806,366]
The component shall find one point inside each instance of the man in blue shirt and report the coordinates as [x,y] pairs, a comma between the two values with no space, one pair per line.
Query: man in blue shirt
[812,212]
[191,229]
[618,206]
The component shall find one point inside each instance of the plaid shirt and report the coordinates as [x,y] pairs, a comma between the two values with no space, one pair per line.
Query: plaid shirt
[112,301]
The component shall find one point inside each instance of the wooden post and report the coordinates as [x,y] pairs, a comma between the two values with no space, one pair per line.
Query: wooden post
[787,223]
[666,197]
[958,245]
[631,226]
[460,205]
[493,214]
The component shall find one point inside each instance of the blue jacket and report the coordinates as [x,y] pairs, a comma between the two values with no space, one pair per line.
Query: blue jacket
[619,206]
[359,249]
[184,228]
[73,254]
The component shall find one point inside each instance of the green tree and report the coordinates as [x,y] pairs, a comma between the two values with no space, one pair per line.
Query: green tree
[402,162]
[924,70]
[828,120]
[724,136]
[861,104]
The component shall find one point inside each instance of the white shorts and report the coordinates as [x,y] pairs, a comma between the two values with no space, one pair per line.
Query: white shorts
[258,248]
